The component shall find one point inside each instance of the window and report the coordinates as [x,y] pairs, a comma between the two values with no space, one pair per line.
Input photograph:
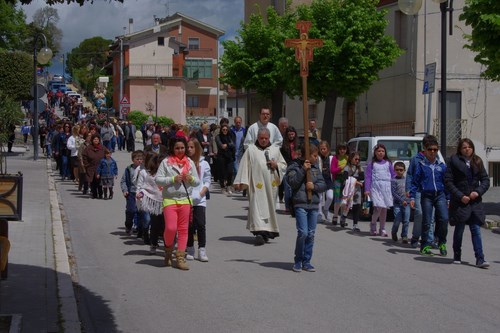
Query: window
[198,69]
[400,29]
[363,150]
[193,43]
[192,101]
[161,41]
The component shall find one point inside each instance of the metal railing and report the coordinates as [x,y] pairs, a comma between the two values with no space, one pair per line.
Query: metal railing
[455,130]
[149,70]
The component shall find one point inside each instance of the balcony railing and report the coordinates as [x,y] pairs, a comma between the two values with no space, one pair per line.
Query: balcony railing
[149,70]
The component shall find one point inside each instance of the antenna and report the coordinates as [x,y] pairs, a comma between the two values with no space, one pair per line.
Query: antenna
[167,6]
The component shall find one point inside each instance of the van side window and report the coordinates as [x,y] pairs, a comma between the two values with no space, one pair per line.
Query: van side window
[363,150]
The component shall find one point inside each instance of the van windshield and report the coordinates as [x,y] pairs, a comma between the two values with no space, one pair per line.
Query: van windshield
[401,150]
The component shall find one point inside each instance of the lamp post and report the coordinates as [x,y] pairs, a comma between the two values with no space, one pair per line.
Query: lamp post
[411,7]
[42,57]
[161,87]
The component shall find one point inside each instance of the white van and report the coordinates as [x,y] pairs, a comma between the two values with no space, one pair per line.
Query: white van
[398,148]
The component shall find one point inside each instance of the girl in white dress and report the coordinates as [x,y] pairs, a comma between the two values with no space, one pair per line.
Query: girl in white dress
[378,186]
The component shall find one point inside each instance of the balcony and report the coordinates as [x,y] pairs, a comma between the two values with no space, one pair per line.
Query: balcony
[148,70]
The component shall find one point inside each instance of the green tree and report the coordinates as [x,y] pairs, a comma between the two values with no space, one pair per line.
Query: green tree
[484,18]
[16,74]
[13,29]
[257,59]
[45,19]
[54,2]
[86,62]
[11,115]
[355,50]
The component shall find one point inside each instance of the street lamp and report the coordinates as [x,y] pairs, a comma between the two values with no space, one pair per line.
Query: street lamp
[411,7]
[161,87]
[42,57]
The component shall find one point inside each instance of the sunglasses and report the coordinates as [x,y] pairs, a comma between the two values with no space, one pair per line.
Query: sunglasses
[432,149]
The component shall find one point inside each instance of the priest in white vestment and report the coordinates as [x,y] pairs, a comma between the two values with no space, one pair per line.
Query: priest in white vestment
[261,171]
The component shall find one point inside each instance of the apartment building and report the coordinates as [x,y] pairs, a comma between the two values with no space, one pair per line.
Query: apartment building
[169,69]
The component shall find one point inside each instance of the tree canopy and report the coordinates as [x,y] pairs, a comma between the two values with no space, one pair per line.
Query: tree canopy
[484,18]
[16,74]
[258,60]
[54,2]
[12,26]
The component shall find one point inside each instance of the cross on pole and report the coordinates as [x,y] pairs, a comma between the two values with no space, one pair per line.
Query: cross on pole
[304,48]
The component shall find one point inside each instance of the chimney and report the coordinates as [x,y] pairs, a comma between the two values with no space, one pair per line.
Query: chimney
[157,20]
[130,25]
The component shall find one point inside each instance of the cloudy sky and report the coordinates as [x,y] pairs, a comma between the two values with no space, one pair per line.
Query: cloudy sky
[108,18]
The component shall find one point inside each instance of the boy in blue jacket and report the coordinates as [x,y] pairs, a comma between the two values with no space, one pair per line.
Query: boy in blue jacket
[428,179]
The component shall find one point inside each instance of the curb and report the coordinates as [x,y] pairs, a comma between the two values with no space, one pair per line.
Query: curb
[68,307]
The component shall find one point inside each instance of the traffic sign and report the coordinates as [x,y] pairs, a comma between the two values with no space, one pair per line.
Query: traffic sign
[124,101]
[429,78]
[125,110]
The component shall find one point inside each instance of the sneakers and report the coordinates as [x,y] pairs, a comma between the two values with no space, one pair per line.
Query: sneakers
[481,263]
[383,233]
[308,267]
[297,267]
[442,250]
[259,240]
[190,253]
[355,228]
[404,240]
[152,249]
[394,236]
[343,223]
[426,251]
[373,233]
[202,255]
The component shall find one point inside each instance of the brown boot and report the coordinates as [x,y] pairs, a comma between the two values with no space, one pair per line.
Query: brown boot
[181,260]
[168,256]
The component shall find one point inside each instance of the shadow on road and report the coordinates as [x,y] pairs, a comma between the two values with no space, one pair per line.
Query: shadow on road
[434,259]
[155,262]
[239,217]
[272,264]
[25,292]
[242,239]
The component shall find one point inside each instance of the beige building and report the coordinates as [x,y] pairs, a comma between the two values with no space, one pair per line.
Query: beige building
[396,105]
[170,69]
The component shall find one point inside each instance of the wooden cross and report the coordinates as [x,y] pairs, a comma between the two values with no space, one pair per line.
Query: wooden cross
[304,48]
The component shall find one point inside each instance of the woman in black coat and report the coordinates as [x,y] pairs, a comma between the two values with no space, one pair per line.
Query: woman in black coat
[467,181]
[225,158]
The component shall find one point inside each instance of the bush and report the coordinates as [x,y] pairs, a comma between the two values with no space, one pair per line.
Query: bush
[138,118]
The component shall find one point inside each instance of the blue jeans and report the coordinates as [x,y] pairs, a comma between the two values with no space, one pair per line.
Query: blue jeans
[401,214]
[107,144]
[65,166]
[417,221]
[477,244]
[431,201]
[306,220]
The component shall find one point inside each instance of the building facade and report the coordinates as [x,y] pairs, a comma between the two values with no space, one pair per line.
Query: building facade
[169,69]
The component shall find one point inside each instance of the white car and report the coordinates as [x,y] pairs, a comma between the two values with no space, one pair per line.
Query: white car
[398,148]
[76,95]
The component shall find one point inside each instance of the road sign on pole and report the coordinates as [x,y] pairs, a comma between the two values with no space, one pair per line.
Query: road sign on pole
[429,78]
[125,100]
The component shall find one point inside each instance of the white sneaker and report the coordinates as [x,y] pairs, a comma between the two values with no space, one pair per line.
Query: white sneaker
[190,253]
[202,254]
[152,249]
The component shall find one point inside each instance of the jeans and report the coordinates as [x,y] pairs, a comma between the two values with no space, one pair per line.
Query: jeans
[306,220]
[176,218]
[65,166]
[431,201]
[401,214]
[475,230]
[417,221]
[198,226]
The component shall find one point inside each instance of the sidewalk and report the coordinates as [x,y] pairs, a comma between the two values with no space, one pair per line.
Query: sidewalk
[38,294]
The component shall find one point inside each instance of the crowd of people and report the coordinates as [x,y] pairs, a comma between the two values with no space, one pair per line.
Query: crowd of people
[167,185]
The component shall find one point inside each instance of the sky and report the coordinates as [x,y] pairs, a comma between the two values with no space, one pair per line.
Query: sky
[108,19]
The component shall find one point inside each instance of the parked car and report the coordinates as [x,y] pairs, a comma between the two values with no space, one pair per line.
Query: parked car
[398,148]
[76,95]
[57,77]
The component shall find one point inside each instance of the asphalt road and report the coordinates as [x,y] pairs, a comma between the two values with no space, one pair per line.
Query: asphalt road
[362,283]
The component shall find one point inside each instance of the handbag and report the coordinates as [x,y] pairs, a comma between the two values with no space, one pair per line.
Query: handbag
[367,204]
